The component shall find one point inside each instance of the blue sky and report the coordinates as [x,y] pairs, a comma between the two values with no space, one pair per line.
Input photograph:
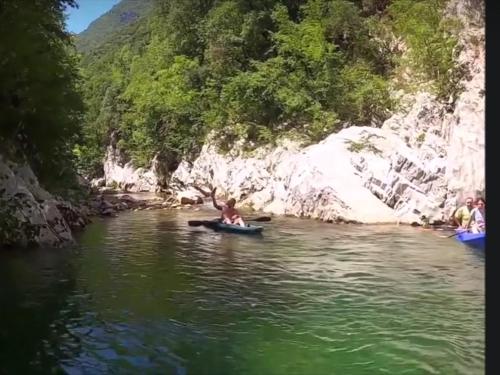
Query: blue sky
[88,10]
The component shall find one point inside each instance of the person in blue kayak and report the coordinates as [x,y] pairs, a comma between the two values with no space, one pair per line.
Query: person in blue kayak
[477,219]
[462,215]
[230,215]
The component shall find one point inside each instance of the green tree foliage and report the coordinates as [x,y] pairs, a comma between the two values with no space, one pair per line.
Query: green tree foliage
[306,84]
[433,48]
[254,69]
[182,21]
[40,103]
[364,94]
[164,109]
[222,34]
[113,24]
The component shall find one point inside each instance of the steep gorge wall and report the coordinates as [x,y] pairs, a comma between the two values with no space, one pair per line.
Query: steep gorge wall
[422,162]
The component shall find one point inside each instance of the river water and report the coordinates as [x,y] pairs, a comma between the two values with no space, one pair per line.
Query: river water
[145,293]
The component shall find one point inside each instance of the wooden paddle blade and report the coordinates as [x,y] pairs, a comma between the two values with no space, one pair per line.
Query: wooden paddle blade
[196,223]
[205,223]
[262,218]
[211,223]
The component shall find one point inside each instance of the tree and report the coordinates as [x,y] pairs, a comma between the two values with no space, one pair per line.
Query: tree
[39,97]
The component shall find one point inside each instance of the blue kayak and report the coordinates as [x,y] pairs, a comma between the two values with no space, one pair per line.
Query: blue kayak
[474,240]
[217,225]
[248,229]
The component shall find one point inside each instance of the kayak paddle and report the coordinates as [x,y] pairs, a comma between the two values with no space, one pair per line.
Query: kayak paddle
[261,218]
[198,223]
[456,233]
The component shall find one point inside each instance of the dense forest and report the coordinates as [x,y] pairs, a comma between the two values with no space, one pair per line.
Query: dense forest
[256,69]
[113,24]
[41,104]
[166,73]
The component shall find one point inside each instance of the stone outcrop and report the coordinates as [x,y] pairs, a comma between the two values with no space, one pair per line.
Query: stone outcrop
[120,175]
[123,176]
[29,214]
[344,178]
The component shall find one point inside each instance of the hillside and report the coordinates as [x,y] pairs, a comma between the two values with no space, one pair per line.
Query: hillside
[111,23]
[255,72]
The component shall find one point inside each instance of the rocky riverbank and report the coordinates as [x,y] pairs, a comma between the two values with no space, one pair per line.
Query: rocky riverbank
[109,204]
[31,216]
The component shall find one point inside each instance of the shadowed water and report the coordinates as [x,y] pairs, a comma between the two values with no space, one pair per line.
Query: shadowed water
[145,293]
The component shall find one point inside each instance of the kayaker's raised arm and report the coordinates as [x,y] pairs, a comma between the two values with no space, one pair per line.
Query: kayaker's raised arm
[212,194]
[229,214]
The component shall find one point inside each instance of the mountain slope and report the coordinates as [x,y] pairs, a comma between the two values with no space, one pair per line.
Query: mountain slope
[123,14]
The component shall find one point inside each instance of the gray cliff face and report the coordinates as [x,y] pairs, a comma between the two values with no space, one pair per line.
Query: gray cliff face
[31,215]
[124,176]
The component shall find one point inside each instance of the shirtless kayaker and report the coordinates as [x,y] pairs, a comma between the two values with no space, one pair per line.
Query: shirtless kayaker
[229,214]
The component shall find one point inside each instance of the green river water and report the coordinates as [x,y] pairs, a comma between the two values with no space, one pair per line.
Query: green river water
[144,293]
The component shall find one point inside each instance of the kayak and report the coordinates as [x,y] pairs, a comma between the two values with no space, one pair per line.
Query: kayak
[217,225]
[249,229]
[474,240]
[232,228]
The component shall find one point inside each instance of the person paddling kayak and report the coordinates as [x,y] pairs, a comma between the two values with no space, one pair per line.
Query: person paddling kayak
[462,214]
[229,214]
[477,222]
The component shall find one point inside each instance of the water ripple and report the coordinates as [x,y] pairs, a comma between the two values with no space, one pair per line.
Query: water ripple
[145,292]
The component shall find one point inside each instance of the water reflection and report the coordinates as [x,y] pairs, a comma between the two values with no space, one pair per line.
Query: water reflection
[148,292]
[34,308]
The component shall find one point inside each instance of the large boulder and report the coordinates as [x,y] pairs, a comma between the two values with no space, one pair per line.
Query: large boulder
[29,215]
[124,176]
